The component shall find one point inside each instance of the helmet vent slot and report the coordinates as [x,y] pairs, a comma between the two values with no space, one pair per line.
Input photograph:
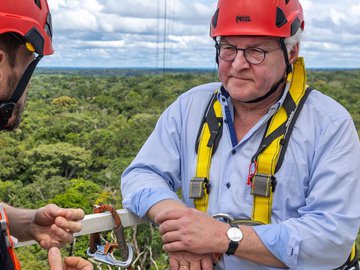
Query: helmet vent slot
[215,18]
[37,2]
[280,17]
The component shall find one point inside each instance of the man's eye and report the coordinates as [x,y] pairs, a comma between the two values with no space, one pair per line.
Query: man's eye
[225,47]
[255,50]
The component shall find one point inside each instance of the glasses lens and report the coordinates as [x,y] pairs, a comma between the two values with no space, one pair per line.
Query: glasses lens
[254,55]
[227,52]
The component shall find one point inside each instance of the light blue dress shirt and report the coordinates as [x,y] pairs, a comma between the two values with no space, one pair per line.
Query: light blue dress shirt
[315,213]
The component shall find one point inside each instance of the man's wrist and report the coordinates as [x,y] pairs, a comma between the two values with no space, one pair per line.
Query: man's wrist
[235,235]
[20,222]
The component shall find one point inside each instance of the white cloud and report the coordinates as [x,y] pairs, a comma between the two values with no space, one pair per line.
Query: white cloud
[131,33]
[77,19]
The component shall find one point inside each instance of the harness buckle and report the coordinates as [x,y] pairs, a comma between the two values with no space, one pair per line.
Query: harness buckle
[198,185]
[262,184]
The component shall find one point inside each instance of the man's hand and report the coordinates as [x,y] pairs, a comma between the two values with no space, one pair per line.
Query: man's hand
[54,226]
[70,263]
[190,261]
[193,231]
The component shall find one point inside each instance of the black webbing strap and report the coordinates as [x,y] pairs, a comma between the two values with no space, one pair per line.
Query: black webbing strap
[290,128]
[21,86]
[213,123]
[286,128]
[7,106]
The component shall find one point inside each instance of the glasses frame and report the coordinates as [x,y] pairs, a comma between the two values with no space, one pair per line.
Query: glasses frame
[244,50]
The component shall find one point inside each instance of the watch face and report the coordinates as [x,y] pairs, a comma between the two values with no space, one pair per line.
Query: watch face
[234,234]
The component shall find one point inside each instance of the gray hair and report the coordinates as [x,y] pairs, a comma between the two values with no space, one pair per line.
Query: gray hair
[290,42]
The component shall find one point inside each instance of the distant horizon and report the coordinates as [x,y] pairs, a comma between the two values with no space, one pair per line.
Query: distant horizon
[175,68]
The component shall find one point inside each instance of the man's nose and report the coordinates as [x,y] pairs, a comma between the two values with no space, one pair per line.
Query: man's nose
[240,61]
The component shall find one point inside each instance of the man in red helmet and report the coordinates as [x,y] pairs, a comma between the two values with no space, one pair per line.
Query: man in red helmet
[271,165]
[25,37]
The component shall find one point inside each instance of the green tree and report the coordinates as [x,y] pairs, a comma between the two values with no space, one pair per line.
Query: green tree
[60,159]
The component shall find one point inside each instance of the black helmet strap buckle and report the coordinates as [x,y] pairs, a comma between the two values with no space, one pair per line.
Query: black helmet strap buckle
[7,106]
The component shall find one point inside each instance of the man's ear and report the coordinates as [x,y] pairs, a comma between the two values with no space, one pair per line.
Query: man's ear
[2,62]
[294,53]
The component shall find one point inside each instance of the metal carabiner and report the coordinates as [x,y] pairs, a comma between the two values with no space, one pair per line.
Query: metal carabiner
[228,218]
[104,253]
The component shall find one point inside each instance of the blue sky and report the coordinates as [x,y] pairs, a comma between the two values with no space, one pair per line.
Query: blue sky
[130,33]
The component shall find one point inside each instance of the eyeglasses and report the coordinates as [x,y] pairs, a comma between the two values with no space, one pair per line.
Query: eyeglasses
[253,55]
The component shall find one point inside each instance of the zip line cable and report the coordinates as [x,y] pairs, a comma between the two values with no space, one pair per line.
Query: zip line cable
[157,33]
[171,31]
[168,19]
[164,49]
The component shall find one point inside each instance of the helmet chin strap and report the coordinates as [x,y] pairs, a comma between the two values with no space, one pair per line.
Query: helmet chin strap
[269,93]
[7,106]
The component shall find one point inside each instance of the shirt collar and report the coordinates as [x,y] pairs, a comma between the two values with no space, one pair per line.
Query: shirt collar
[273,108]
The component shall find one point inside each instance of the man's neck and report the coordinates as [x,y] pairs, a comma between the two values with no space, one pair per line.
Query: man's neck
[246,115]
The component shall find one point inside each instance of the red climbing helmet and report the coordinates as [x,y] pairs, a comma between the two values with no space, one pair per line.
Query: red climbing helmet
[278,18]
[31,19]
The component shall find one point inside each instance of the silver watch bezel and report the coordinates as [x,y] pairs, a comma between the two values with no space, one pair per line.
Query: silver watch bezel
[234,234]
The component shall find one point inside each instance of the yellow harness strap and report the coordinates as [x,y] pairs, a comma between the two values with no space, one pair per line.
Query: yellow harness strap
[268,158]
[211,130]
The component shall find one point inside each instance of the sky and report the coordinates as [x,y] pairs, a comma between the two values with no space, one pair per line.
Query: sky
[133,33]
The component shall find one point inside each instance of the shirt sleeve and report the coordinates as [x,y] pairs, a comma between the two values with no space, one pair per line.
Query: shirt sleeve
[154,174]
[323,234]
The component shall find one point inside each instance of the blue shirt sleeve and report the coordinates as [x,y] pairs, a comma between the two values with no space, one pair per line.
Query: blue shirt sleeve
[147,181]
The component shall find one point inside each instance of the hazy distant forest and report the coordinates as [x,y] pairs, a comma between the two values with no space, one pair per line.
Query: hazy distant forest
[80,130]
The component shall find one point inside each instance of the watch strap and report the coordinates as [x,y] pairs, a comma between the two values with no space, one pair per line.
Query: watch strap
[232,248]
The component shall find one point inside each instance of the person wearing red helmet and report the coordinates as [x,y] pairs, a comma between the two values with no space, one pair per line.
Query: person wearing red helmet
[267,166]
[25,37]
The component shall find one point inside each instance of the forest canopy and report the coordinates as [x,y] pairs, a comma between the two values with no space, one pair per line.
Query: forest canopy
[80,131]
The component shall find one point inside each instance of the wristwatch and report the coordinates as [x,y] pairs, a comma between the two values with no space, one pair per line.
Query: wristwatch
[235,235]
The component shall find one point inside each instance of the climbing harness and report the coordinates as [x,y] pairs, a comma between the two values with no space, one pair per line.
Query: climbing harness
[104,253]
[266,161]
[8,257]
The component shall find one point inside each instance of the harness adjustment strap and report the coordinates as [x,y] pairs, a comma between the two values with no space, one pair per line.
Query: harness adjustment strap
[207,141]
